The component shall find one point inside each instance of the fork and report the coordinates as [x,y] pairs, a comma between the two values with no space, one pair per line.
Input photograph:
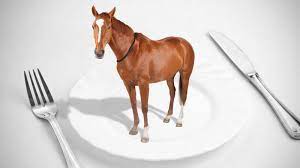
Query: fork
[47,110]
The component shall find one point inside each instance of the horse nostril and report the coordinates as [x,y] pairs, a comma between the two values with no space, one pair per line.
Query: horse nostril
[99,54]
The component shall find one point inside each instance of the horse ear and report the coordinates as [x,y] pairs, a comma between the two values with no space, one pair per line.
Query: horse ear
[94,11]
[112,12]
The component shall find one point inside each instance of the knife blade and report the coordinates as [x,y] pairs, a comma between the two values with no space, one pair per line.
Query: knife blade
[289,120]
[234,53]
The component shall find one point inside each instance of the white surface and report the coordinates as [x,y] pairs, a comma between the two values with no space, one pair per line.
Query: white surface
[101,114]
[57,37]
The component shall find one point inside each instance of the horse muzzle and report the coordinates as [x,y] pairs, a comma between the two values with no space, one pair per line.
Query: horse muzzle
[100,54]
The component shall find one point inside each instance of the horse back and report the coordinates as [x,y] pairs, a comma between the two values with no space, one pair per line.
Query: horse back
[163,58]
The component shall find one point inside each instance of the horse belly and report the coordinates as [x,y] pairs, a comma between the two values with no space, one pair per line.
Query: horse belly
[164,69]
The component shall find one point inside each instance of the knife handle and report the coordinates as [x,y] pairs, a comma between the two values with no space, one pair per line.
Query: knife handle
[289,120]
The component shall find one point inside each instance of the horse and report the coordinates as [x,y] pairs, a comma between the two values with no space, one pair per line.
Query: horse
[142,61]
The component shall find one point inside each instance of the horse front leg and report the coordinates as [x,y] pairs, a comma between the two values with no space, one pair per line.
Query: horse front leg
[132,94]
[144,91]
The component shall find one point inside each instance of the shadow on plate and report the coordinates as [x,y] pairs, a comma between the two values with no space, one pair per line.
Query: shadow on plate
[112,108]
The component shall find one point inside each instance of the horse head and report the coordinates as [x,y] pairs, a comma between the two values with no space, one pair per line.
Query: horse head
[102,30]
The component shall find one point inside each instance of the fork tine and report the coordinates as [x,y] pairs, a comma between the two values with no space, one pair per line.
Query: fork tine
[46,87]
[38,84]
[31,101]
[34,90]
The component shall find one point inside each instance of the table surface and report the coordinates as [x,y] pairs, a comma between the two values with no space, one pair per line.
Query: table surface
[56,36]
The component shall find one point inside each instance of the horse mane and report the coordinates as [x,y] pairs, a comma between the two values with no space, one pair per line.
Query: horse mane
[120,26]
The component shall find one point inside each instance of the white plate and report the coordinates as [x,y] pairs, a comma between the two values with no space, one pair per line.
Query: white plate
[215,112]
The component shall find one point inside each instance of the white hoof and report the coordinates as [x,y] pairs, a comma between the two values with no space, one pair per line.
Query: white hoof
[145,137]
[179,123]
[167,118]
[145,140]
[180,117]
[133,131]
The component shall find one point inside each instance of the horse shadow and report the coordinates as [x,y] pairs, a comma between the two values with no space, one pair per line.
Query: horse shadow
[112,108]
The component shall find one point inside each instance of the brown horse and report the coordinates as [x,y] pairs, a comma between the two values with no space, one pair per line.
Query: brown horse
[141,61]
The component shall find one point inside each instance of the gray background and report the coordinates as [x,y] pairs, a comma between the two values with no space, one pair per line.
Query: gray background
[56,36]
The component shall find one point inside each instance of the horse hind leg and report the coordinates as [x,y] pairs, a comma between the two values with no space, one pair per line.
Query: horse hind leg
[172,90]
[183,89]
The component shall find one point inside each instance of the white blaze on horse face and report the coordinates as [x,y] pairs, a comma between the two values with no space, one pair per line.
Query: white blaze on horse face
[99,23]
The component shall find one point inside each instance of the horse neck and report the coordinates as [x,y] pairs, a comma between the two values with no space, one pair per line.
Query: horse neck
[122,37]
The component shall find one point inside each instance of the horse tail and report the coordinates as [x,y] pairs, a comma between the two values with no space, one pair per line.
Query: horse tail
[185,71]
[180,90]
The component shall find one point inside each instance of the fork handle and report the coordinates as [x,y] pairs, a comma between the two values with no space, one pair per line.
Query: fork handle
[289,120]
[69,155]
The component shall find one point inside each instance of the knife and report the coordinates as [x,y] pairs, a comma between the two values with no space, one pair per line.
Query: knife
[289,120]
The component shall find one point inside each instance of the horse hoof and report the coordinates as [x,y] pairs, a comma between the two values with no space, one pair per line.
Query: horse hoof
[145,140]
[166,120]
[133,132]
[178,124]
